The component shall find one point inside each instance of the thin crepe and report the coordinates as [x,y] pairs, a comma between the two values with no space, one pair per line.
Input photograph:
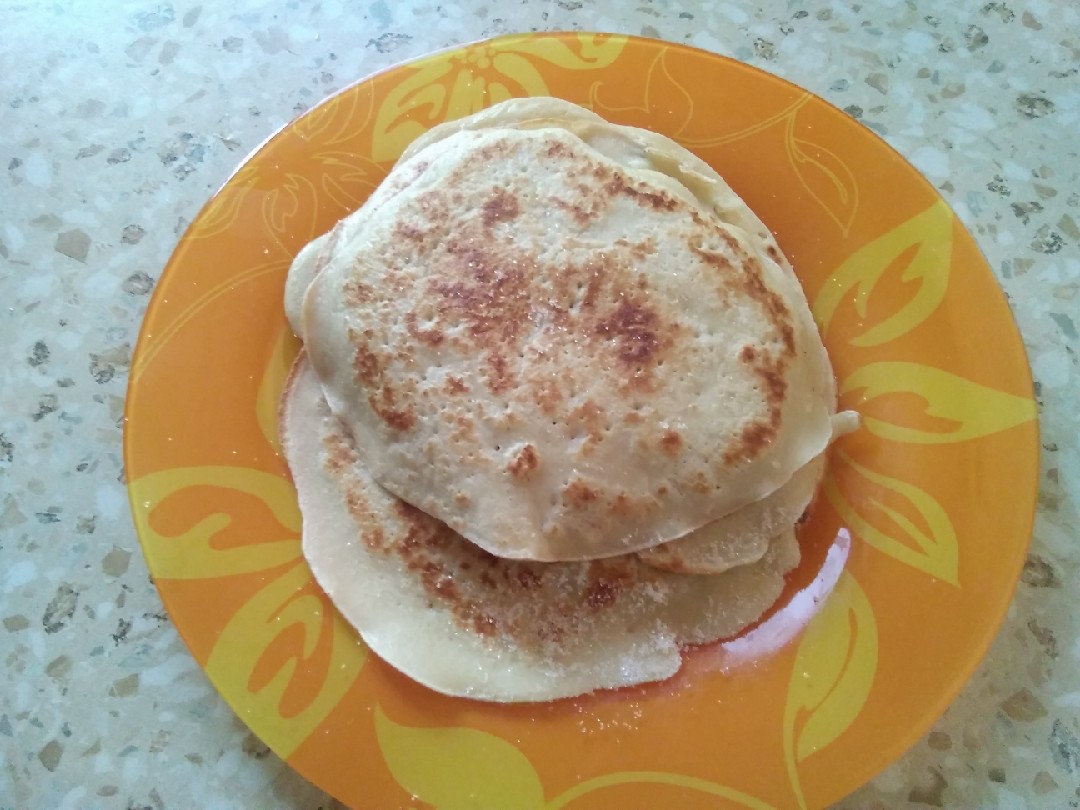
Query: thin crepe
[466,623]
[557,340]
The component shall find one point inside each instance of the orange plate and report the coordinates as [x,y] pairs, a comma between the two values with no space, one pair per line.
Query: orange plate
[917,543]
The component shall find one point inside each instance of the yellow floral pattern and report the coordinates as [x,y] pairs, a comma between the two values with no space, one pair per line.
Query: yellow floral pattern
[193,554]
[967,409]
[821,172]
[448,86]
[929,235]
[466,769]
[934,550]
[284,605]
[832,676]
[883,288]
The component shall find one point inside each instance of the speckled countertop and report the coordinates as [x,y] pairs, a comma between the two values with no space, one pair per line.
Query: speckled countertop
[118,120]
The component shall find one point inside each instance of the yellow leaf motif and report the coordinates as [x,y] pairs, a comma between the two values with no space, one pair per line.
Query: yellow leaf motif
[468,769]
[348,179]
[451,85]
[268,397]
[731,797]
[289,212]
[577,52]
[221,213]
[968,409]
[834,670]
[192,555]
[936,551]
[929,234]
[338,119]
[290,601]
[665,97]
[824,175]
[458,768]
[416,104]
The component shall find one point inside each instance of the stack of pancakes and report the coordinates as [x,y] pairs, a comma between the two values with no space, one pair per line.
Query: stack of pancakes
[560,407]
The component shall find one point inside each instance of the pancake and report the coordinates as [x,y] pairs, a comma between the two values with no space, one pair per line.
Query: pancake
[466,623]
[565,341]
[745,535]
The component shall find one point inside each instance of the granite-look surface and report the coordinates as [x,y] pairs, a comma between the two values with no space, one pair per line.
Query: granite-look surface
[118,120]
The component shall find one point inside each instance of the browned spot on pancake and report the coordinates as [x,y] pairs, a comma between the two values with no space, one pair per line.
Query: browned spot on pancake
[787,336]
[632,418]
[527,578]
[775,385]
[461,499]
[547,395]
[455,385]
[431,336]
[438,583]
[421,548]
[753,439]
[339,462]
[700,484]
[367,365]
[434,204]
[581,213]
[608,580]
[524,462]
[601,594]
[622,506]
[497,372]
[773,253]
[500,207]
[595,199]
[489,152]
[661,491]
[386,406]
[485,625]
[638,250]
[340,455]
[482,285]
[461,426]
[374,538]
[748,280]
[756,436]
[671,442]
[590,416]
[634,328]
[771,302]
[557,149]
[578,494]
[746,276]
[356,293]
[369,368]
[404,232]
[640,193]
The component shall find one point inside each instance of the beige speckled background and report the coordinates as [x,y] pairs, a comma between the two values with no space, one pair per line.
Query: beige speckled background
[117,120]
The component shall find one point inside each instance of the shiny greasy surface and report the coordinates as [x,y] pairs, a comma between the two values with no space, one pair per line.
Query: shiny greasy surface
[559,356]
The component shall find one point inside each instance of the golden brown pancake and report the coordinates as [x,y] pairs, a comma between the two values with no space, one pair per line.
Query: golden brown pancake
[464,622]
[561,340]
